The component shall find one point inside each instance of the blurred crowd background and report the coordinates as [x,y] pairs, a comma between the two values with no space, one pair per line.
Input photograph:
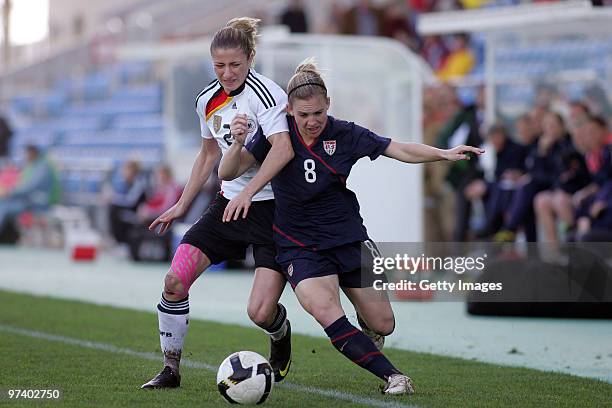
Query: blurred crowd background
[83,134]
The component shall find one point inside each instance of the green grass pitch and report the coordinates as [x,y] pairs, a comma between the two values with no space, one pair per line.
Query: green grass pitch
[102,373]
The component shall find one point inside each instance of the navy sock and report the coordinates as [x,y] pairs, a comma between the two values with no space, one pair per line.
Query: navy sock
[358,348]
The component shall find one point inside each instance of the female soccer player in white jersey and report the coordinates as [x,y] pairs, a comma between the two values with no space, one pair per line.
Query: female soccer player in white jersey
[238,88]
[317,226]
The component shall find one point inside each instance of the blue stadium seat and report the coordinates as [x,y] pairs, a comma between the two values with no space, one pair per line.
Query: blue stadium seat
[152,122]
[113,138]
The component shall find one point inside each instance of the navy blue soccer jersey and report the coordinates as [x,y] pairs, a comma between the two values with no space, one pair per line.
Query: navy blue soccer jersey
[314,207]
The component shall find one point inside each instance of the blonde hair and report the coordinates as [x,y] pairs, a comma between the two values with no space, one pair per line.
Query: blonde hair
[307,81]
[240,32]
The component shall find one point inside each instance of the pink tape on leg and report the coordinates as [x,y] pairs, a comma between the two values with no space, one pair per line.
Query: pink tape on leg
[185,265]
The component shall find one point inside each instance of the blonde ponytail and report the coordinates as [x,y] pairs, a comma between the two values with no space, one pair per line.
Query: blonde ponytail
[307,81]
[240,33]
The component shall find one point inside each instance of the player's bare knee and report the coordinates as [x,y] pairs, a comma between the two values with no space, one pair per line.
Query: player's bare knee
[386,326]
[382,324]
[324,313]
[260,313]
[173,287]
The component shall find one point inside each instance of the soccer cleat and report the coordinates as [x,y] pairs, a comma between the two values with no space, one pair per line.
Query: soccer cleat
[280,355]
[504,236]
[398,384]
[166,378]
[377,339]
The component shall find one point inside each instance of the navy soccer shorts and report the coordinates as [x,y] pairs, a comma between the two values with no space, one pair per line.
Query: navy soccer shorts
[353,266]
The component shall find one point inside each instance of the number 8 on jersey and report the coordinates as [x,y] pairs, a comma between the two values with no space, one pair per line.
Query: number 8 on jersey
[309,174]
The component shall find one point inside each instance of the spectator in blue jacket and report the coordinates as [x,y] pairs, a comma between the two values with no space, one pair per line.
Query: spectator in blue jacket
[129,191]
[37,190]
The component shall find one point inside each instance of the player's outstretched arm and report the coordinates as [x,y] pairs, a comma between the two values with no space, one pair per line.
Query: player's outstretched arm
[202,168]
[279,155]
[422,153]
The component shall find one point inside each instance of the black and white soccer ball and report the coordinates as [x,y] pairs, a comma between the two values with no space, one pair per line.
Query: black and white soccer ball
[245,378]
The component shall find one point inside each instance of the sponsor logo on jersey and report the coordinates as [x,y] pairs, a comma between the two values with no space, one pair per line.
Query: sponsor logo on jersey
[217,119]
[290,270]
[234,106]
[329,146]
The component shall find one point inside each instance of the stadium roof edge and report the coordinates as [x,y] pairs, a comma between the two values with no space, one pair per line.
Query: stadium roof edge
[523,16]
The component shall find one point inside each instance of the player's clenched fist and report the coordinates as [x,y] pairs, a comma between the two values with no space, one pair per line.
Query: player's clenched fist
[239,127]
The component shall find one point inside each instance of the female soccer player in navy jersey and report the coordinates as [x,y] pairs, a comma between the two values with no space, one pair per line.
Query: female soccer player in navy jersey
[238,88]
[317,226]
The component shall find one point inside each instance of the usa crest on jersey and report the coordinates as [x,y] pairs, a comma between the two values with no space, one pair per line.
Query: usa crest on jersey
[329,146]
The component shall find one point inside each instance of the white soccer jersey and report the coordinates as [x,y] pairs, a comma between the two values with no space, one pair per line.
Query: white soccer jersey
[262,101]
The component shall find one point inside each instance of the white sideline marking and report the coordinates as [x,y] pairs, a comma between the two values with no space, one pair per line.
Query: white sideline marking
[197,364]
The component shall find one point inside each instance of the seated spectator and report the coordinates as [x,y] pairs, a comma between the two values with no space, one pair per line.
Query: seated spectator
[509,168]
[460,61]
[526,131]
[537,115]
[145,245]
[38,188]
[556,204]
[128,192]
[541,167]
[578,111]
[594,202]
[165,194]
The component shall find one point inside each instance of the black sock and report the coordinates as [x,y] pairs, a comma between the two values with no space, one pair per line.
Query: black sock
[278,328]
[358,348]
